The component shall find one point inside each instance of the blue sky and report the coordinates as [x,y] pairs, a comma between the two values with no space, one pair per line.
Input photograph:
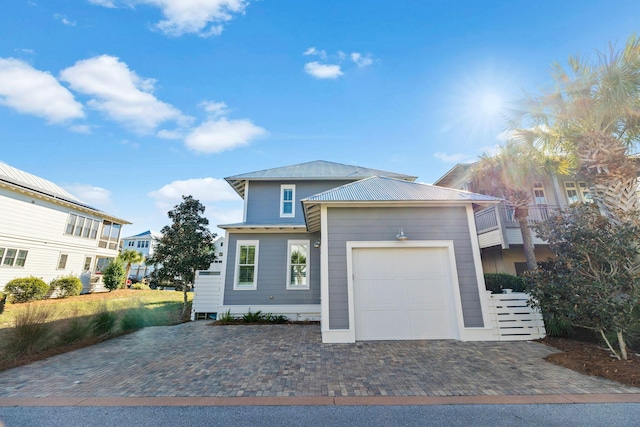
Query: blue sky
[128,104]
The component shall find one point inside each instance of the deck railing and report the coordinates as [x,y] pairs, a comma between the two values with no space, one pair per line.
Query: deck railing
[487,220]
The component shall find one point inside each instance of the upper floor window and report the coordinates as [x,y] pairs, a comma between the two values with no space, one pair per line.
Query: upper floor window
[246,276]
[131,243]
[110,235]
[577,192]
[298,268]
[143,243]
[287,198]
[538,194]
[81,226]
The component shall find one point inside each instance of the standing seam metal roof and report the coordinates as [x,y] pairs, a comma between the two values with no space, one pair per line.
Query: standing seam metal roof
[316,170]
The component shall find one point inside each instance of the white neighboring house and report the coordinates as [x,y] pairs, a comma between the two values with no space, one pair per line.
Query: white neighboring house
[143,243]
[47,232]
[220,251]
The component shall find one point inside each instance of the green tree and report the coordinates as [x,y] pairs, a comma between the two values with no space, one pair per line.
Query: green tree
[130,257]
[591,116]
[509,174]
[113,274]
[185,246]
[593,281]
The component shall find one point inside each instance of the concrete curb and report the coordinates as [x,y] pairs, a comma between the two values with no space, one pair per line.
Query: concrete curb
[321,400]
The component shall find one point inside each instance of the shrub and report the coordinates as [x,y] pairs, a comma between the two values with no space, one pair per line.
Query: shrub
[226,317]
[66,286]
[280,318]
[140,287]
[496,282]
[3,300]
[26,289]
[250,317]
[74,330]
[104,322]
[113,274]
[133,319]
[32,333]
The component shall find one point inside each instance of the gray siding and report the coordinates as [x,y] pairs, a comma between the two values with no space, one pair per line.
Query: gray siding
[272,271]
[372,224]
[263,199]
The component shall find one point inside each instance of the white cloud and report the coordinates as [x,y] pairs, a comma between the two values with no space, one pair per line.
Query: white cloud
[105,3]
[202,17]
[89,194]
[169,134]
[64,20]
[35,92]
[120,93]
[322,71]
[455,158]
[204,189]
[219,134]
[215,109]
[360,60]
[80,129]
[313,51]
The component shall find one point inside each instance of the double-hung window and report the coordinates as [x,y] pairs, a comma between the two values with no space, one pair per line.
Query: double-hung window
[287,199]
[246,276]
[298,264]
[62,261]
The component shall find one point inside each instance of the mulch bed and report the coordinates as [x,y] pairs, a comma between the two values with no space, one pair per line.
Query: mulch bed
[591,358]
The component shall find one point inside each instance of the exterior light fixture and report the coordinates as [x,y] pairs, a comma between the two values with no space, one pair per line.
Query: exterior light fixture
[401,235]
[316,244]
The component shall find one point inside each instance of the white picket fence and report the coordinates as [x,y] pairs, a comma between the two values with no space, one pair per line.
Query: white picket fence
[513,319]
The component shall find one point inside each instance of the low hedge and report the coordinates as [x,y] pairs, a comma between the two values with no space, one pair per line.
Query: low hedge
[496,282]
[66,286]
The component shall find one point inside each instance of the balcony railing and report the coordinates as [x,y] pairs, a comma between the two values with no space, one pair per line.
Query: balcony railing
[487,219]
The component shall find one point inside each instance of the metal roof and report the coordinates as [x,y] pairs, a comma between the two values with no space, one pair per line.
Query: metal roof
[150,233]
[386,190]
[19,180]
[262,226]
[453,174]
[316,170]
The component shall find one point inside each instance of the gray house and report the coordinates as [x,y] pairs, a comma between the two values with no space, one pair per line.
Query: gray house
[371,254]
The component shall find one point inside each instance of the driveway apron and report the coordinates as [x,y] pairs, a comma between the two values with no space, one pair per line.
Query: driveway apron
[199,360]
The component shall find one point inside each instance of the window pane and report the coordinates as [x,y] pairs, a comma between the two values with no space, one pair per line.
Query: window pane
[94,230]
[106,229]
[87,227]
[87,263]
[245,276]
[10,257]
[298,275]
[70,224]
[287,195]
[79,225]
[62,263]
[298,265]
[115,231]
[21,259]
[287,208]
[1,253]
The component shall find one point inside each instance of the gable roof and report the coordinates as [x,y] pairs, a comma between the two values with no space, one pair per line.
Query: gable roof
[386,190]
[149,233]
[316,170]
[454,174]
[24,182]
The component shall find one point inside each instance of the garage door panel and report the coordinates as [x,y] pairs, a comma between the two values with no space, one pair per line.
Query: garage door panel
[412,299]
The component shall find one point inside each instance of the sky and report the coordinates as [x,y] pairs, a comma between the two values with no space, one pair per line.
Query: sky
[130,104]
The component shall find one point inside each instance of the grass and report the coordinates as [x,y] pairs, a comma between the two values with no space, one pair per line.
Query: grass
[36,330]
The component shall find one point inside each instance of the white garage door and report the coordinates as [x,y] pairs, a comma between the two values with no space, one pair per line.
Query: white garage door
[402,294]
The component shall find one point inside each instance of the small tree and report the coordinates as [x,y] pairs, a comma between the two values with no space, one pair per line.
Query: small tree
[130,257]
[185,246]
[113,274]
[593,281]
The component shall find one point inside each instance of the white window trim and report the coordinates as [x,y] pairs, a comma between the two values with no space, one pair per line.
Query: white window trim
[291,287]
[236,277]
[291,187]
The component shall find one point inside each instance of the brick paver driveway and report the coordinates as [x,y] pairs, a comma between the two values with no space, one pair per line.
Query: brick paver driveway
[196,359]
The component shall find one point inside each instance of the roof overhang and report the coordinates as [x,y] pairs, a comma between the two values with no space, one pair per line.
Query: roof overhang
[312,209]
[61,202]
[257,228]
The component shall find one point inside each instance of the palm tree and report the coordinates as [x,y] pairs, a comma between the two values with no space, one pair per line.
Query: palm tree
[509,174]
[592,115]
[130,257]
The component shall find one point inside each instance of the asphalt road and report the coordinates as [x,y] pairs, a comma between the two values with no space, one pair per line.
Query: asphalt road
[603,414]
